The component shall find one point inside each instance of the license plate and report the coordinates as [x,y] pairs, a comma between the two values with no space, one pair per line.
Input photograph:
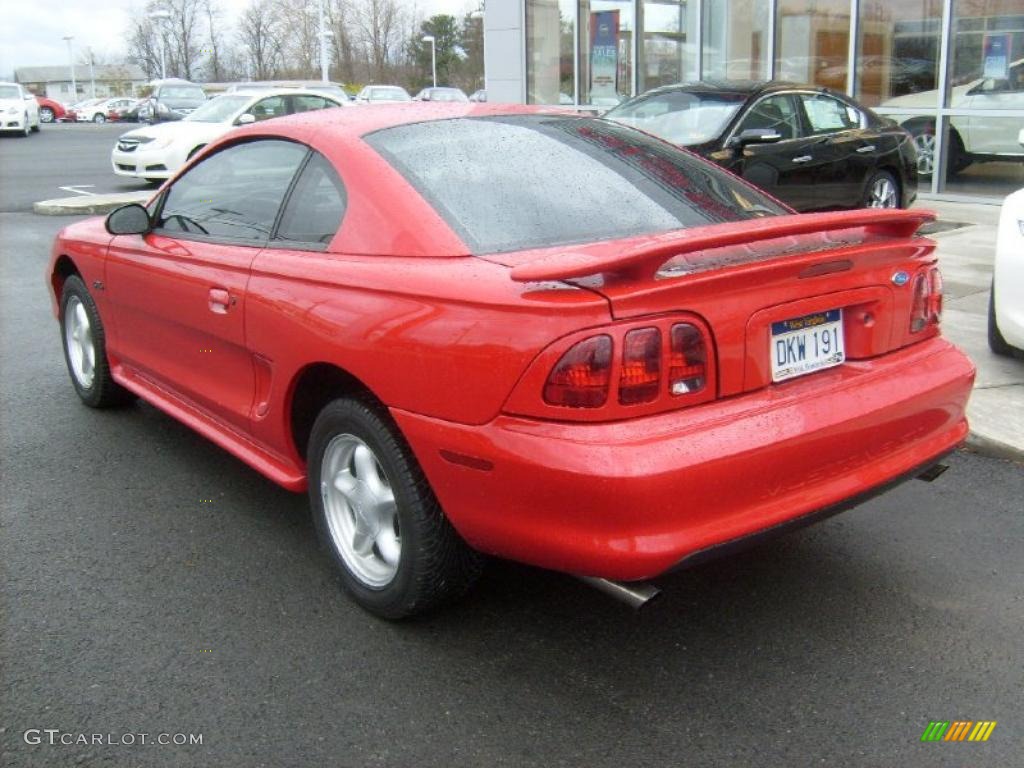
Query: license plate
[806,344]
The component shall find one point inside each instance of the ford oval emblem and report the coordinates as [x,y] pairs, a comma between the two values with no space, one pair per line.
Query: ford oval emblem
[900,278]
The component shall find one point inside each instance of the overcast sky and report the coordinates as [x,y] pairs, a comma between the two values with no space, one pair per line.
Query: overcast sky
[32,30]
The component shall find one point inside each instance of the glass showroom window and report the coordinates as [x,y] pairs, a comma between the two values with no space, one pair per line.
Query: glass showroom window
[606,51]
[667,52]
[987,74]
[898,54]
[813,38]
[549,45]
[736,39]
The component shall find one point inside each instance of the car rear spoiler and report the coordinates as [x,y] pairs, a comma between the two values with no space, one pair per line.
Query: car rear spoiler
[643,261]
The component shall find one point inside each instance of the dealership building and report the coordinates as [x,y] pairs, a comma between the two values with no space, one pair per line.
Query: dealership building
[950,70]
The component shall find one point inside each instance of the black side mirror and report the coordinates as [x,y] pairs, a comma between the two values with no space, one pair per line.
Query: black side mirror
[755,136]
[131,219]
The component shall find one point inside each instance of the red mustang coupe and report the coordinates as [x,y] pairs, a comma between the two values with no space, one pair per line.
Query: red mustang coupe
[474,329]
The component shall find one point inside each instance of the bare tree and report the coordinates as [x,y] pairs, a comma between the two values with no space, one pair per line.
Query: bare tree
[340,15]
[215,67]
[378,25]
[259,34]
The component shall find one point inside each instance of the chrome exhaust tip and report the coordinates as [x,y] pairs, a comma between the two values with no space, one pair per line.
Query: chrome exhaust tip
[635,595]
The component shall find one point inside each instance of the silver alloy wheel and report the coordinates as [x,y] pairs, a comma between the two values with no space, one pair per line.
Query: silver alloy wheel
[925,144]
[360,509]
[28,127]
[99,118]
[883,193]
[46,115]
[78,337]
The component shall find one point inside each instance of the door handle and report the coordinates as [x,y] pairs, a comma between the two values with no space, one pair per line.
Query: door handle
[220,300]
[866,149]
[803,159]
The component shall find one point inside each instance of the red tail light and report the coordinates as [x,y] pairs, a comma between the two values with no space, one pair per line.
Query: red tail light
[688,358]
[926,308]
[640,375]
[582,376]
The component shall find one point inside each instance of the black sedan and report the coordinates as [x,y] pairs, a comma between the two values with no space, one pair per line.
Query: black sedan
[809,146]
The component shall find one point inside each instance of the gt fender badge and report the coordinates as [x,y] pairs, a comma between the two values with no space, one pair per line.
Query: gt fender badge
[900,278]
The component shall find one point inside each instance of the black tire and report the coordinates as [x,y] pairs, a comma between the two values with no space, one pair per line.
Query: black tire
[46,115]
[99,117]
[27,130]
[155,181]
[435,565]
[958,157]
[879,177]
[996,342]
[102,391]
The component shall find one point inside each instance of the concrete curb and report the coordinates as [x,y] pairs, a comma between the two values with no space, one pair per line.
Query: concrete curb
[992,448]
[80,205]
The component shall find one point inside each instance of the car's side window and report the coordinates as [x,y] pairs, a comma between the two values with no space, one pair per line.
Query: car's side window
[234,194]
[273,106]
[776,113]
[828,115]
[316,206]
[304,103]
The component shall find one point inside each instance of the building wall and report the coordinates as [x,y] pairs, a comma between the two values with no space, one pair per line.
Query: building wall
[504,64]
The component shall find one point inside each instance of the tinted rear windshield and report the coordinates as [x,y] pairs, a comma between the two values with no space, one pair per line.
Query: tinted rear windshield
[532,181]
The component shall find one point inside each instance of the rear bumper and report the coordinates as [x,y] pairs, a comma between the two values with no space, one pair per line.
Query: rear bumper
[630,500]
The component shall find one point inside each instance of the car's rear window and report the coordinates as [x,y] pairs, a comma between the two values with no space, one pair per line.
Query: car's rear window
[532,181]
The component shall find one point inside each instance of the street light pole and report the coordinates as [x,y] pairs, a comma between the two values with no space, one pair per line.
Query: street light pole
[433,56]
[161,17]
[71,61]
[323,44]
[92,73]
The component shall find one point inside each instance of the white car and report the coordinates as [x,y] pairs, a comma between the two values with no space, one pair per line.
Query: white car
[973,139]
[96,112]
[1006,302]
[156,152]
[379,94]
[19,110]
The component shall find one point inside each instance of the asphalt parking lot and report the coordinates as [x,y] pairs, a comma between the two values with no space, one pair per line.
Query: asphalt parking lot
[63,159]
[153,584]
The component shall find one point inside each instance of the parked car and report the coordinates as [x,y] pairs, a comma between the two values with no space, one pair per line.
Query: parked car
[101,110]
[171,99]
[441,94]
[18,109]
[479,96]
[1006,301]
[121,110]
[373,94]
[50,110]
[156,152]
[808,146]
[656,360]
[975,139]
[72,112]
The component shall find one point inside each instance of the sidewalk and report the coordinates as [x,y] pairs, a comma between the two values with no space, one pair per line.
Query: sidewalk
[996,411]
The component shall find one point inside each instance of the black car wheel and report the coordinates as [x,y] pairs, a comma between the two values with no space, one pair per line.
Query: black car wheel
[924,141]
[375,512]
[882,191]
[85,348]
[99,118]
[46,115]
